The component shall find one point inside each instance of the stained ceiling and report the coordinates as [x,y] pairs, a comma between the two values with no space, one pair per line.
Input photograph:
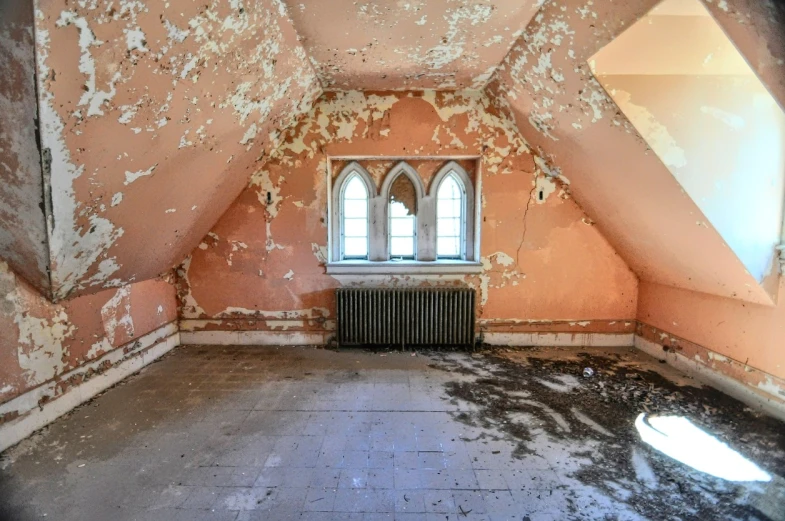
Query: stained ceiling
[408,44]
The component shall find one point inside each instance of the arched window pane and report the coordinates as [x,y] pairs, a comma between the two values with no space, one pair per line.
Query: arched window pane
[354,219]
[355,189]
[450,218]
[403,211]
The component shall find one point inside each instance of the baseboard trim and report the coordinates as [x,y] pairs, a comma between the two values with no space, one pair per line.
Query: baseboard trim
[122,362]
[760,397]
[557,339]
[300,338]
[256,338]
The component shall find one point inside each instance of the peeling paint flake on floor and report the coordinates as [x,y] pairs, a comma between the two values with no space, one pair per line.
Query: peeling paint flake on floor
[302,433]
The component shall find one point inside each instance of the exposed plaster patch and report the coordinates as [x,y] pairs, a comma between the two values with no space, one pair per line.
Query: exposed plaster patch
[174,33]
[130,177]
[502,258]
[74,250]
[320,252]
[40,348]
[285,325]
[544,186]
[190,308]
[312,313]
[116,316]
[92,97]
[117,198]
[135,40]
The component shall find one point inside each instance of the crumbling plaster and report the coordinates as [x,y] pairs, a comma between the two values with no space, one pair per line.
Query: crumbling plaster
[263,265]
[23,240]
[41,341]
[416,44]
[154,118]
[563,111]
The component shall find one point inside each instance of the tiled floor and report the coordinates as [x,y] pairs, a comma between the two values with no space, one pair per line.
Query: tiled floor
[295,433]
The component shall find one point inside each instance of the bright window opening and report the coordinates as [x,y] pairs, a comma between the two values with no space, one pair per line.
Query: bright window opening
[354,225]
[401,220]
[450,219]
[703,111]
[403,211]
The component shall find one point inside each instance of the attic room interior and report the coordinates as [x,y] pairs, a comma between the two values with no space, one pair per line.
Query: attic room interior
[400,260]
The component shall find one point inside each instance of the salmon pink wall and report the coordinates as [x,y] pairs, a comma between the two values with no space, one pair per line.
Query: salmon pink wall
[40,342]
[263,265]
[751,334]
[562,110]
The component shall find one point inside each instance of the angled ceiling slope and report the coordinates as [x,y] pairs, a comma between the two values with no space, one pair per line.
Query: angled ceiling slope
[641,208]
[417,44]
[152,121]
[703,111]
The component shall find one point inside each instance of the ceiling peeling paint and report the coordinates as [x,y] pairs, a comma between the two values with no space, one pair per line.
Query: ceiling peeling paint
[439,44]
[145,109]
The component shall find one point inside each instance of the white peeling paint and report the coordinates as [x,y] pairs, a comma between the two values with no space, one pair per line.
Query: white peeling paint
[130,177]
[116,317]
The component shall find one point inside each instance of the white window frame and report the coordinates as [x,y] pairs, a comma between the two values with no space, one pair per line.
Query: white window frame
[336,220]
[425,260]
[403,169]
[467,213]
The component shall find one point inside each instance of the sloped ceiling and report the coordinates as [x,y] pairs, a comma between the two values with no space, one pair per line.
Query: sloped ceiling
[411,44]
[154,115]
[641,208]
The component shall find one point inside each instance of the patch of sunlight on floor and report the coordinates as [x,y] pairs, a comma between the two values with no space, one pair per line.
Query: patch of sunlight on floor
[679,438]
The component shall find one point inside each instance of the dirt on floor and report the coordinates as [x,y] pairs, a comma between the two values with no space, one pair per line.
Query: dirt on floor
[539,398]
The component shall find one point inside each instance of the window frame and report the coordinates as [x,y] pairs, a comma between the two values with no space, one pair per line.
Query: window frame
[342,198]
[461,218]
[351,170]
[405,169]
[425,260]
[469,233]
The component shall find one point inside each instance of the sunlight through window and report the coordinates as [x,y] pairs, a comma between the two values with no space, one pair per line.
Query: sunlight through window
[679,438]
[354,226]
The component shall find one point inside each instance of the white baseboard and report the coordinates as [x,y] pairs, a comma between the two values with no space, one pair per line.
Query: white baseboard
[123,363]
[558,339]
[760,398]
[255,338]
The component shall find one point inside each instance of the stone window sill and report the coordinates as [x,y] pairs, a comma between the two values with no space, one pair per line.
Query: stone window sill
[403,267]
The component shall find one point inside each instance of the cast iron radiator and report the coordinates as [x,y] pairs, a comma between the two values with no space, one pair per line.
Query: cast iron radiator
[406,316]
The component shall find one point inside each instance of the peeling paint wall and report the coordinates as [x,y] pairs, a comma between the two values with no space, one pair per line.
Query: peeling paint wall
[751,335]
[415,44]
[562,110]
[41,341]
[155,117]
[263,265]
[23,240]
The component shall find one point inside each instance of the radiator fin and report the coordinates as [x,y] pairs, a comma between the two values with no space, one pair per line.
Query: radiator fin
[406,316]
